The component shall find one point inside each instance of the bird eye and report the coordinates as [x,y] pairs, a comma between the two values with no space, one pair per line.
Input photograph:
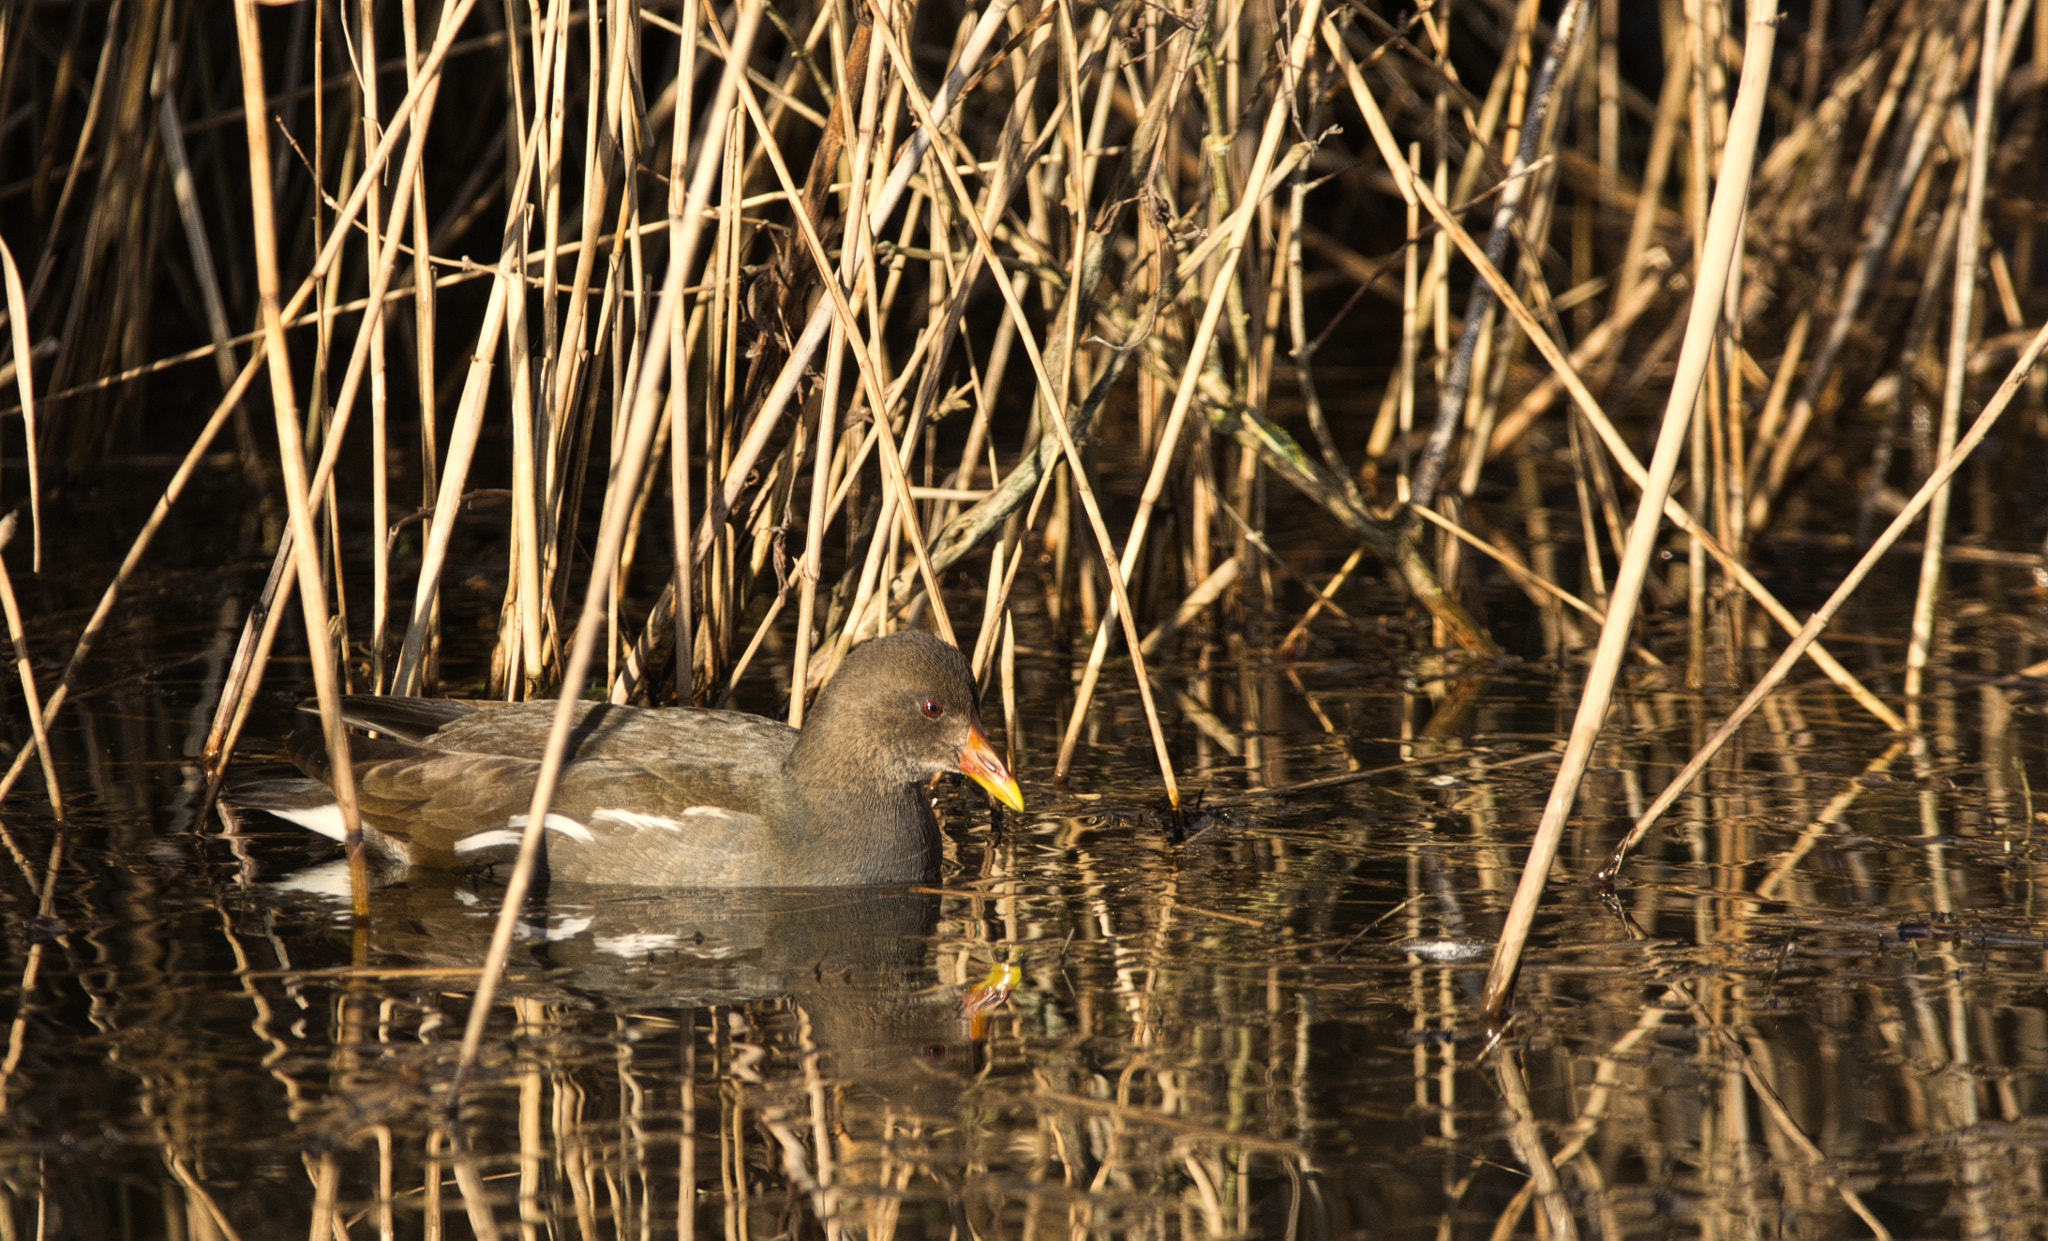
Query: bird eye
[933,708]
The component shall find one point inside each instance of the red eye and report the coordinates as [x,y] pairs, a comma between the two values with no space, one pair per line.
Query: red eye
[933,708]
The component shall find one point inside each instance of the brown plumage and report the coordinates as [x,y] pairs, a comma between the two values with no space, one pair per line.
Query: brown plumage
[678,797]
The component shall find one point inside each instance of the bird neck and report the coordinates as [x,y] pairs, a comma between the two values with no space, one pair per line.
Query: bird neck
[846,795]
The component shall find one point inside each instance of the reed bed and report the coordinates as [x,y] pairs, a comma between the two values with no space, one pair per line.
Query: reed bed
[608,347]
[1154,223]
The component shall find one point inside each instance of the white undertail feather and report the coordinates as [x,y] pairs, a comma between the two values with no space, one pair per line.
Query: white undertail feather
[325,820]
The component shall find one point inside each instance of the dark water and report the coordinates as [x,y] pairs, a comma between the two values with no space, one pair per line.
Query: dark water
[1817,997]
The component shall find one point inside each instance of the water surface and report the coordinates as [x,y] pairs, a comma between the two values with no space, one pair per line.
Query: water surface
[1816,994]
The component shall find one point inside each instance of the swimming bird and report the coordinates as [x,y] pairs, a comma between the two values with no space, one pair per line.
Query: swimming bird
[673,797]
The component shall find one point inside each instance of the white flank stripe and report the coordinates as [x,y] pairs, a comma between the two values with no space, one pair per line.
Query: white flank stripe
[515,827]
[556,823]
[488,839]
[635,818]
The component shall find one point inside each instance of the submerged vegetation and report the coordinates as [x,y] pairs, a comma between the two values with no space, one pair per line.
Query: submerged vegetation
[624,348]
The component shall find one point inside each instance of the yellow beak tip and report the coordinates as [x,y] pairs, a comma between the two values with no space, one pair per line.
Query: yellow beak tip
[1004,791]
[978,762]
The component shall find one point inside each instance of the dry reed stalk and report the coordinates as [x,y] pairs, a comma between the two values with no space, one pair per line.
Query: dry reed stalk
[380,448]
[190,217]
[1962,330]
[1398,415]
[284,401]
[638,439]
[1590,476]
[1809,632]
[1536,585]
[204,352]
[19,638]
[1231,236]
[522,667]
[682,567]
[327,511]
[81,152]
[1773,461]
[1051,394]
[1720,247]
[1454,387]
[738,464]
[1596,345]
[1198,600]
[1611,437]
[24,384]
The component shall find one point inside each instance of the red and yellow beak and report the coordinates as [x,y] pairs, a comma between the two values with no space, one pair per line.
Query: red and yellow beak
[978,762]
